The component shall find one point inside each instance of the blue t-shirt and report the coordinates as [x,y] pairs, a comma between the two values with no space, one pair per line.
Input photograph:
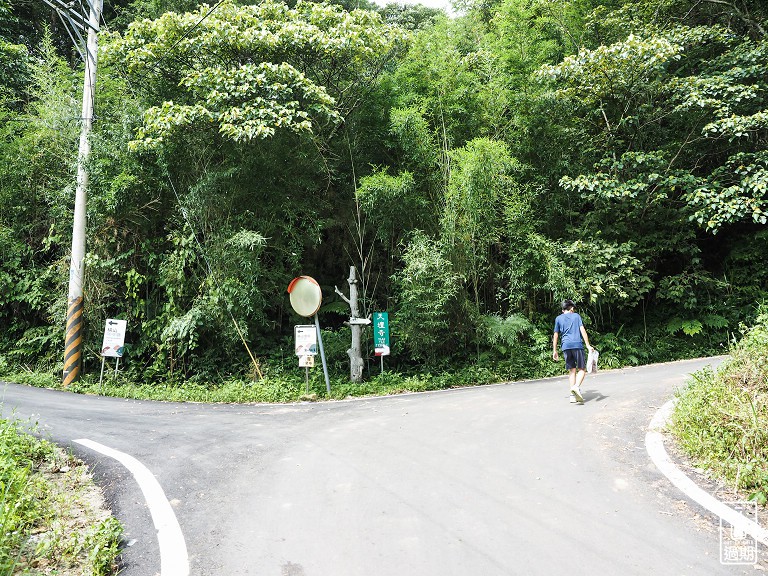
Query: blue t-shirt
[568,325]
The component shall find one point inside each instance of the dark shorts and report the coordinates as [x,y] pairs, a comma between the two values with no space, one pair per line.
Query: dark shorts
[575,359]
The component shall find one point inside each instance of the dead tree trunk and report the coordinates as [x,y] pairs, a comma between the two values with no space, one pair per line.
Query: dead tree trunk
[356,324]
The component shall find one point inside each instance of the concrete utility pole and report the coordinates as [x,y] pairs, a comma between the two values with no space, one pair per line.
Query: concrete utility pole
[356,323]
[73,346]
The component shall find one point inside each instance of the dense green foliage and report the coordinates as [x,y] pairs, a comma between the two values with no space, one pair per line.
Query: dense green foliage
[47,521]
[721,418]
[475,169]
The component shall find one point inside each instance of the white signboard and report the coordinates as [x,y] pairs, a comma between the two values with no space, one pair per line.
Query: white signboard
[114,338]
[306,340]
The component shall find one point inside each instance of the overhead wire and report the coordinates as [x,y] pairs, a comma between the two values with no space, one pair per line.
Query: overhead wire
[84,20]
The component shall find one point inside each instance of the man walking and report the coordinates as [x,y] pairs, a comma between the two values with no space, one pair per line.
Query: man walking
[570,330]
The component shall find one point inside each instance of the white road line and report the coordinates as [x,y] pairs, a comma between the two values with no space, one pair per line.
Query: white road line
[173,550]
[654,444]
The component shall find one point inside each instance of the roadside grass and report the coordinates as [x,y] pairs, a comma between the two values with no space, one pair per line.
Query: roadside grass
[52,517]
[721,417]
[283,381]
[278,385]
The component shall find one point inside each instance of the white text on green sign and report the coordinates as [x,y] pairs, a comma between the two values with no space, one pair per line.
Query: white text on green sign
[381,333]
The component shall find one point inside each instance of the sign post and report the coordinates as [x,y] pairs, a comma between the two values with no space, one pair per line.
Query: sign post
[306,297]
[381,335]
[305,342]
[113,343]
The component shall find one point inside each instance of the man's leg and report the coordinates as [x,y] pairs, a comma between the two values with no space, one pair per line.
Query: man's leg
[580,375]
[571,383]
[572,377]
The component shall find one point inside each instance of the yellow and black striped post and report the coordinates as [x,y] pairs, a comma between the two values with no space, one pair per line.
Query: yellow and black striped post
[73,347]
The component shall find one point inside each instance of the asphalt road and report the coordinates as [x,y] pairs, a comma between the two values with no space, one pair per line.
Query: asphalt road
[490,481]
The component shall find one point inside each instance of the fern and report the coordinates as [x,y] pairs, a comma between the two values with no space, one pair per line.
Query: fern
[503,333]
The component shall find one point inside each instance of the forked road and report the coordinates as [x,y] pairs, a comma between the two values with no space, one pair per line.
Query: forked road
[491,481]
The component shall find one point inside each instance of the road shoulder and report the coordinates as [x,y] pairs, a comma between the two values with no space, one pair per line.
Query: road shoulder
[695,483]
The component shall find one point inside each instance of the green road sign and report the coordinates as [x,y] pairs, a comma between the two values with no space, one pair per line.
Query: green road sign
[381,333]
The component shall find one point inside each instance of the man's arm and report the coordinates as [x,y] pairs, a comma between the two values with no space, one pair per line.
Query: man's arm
[584,335]
[554,345]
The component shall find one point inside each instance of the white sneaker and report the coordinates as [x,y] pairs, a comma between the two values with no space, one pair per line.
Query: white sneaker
[572,399]
[576,394]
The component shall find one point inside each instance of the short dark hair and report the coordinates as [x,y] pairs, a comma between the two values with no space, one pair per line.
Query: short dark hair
[567,305]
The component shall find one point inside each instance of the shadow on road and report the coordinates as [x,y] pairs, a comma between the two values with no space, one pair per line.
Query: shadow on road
[593,395]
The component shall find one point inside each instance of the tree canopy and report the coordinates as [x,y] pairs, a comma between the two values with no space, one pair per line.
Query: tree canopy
[475,168]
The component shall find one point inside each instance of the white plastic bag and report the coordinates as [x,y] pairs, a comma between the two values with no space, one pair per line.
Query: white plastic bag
[592,361]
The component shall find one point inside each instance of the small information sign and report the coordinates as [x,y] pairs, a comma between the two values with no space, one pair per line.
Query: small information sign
[305,337]
[307,361]
[381,333]
[114,338]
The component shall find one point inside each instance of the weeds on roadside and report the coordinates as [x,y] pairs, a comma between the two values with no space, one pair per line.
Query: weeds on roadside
[51,520]
[508,358]
[721,418]
[288,384]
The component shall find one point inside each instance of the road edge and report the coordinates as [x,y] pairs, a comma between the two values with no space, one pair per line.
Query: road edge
[654,445]
[174,559]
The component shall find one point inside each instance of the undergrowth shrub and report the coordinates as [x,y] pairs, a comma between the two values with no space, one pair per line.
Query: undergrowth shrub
[46,526]
[721,418]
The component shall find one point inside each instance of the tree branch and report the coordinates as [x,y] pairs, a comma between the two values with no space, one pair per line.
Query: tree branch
[340,293]
[746,18]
